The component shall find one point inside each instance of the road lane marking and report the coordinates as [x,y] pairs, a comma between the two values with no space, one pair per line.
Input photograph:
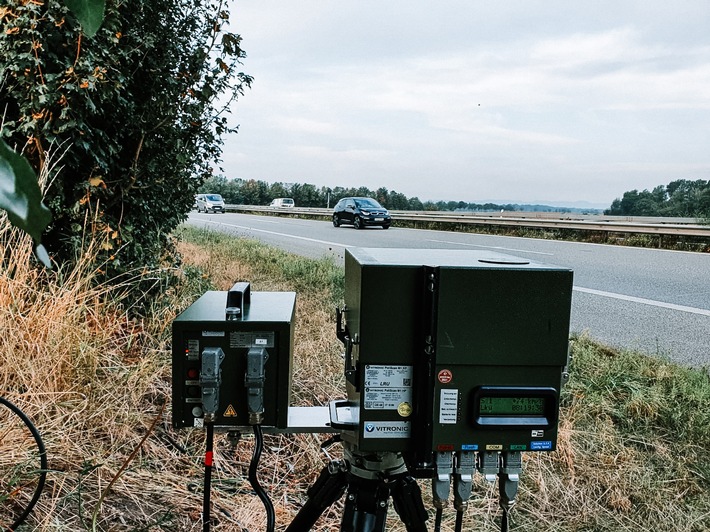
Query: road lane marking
[335,244]
[499,248]
[260,219]
[643,301]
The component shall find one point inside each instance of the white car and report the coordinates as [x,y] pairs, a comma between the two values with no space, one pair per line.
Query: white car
[282,203]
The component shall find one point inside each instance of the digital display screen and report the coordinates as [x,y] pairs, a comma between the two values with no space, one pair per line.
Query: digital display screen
[512,406]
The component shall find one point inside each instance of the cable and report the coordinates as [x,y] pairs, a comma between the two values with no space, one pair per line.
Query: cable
[504,521]
[459,521]
[209,446]
[268,505]
[437,521]
[42,458]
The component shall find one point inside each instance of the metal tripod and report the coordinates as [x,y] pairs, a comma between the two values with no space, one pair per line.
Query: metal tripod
[370,480]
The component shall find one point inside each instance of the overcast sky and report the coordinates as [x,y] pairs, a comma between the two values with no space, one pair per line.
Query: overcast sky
[523,101]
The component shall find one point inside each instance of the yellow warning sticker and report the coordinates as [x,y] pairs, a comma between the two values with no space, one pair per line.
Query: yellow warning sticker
[230,412]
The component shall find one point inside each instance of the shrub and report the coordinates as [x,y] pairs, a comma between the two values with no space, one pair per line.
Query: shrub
[137,107]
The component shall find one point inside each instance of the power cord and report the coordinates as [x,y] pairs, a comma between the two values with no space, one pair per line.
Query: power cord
[437,519]
[42,458]
[459,521]
[504,521]
[209,446]
[254,481]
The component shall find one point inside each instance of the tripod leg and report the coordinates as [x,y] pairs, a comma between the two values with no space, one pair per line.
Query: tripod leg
[328,488]
[365,506]
[407,500]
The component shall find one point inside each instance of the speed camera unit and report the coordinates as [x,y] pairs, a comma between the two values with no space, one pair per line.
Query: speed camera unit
[452,351]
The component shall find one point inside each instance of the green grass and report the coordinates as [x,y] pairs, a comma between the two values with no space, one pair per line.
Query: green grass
[300,273]
[639,442]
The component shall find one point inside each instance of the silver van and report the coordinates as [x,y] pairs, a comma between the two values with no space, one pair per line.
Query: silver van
[282,202]
[209,203]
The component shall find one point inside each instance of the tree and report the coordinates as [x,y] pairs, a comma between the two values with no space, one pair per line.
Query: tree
[679,198]
[415,204]
[255,192]
[278,190]
[685,197]
[382,196]
[628,202]
[305,195]
[398,201]
[137,105]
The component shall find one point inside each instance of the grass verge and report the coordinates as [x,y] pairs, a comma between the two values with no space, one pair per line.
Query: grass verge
[634,446]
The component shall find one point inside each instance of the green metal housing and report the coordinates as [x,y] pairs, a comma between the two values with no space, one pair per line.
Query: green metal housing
[268,321]
[434,331]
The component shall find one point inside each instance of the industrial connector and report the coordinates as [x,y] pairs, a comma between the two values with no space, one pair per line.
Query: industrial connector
[210,381]
[463,479]
[254,382]
[489,464]
[441,483]
[509,477]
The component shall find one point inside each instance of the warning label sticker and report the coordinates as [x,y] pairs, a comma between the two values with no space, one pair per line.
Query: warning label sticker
[445,376]
[387,387]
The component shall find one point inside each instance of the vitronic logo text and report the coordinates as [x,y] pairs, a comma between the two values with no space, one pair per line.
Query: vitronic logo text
[387,429]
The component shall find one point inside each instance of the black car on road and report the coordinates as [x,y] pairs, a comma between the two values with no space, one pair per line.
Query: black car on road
[361,212]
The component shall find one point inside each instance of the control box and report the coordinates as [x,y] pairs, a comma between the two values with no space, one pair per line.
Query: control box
[263,323]
[452,350]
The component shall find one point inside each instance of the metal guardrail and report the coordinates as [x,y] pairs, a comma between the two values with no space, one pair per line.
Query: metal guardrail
[609,224]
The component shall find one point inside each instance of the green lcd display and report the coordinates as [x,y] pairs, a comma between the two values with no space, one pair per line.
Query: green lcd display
[512,406]
[520,407]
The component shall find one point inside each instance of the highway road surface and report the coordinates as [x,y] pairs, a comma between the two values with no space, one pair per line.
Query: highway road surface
[651,300]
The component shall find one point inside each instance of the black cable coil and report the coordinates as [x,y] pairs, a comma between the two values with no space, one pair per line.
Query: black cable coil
[42,457]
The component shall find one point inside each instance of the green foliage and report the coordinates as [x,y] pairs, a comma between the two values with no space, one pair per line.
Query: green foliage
[139,106]
[21,198]
[679,198]
[20,195]
[643,395]
[89,12]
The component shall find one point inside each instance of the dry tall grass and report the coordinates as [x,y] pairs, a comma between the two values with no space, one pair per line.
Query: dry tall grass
[633,452]
[94,380]
[76,365]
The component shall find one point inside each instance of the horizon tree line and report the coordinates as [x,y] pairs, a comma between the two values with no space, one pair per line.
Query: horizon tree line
[679,198]
[256,192]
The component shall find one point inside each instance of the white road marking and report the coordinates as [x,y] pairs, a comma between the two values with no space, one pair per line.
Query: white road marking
[335,244]
[499,248]
[643,301]
[260,219]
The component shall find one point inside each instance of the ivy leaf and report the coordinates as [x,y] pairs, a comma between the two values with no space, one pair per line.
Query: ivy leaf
[21,197]
[89,12]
